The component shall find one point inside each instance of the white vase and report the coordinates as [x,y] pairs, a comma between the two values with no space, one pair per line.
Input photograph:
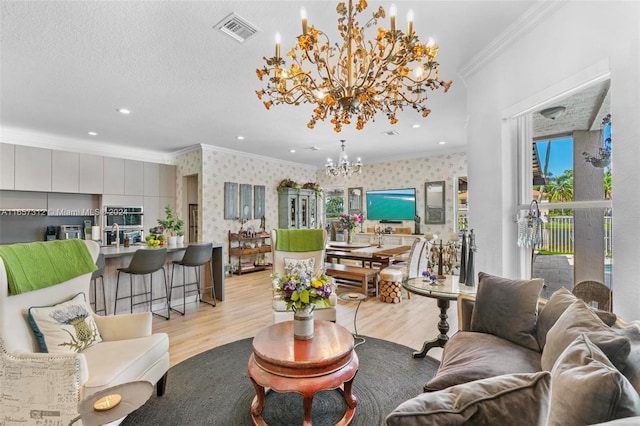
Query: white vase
[173,241]
[303,323]
[180,239]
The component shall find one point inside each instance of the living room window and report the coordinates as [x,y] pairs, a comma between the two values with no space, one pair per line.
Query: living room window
[565,167]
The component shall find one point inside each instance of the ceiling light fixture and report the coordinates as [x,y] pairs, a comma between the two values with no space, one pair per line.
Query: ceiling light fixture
[92,133]
[358,79]
[240,138]
[124,111]
[553,112]
[344,167]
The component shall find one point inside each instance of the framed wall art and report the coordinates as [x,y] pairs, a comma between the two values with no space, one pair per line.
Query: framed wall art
[258,201]
[245,201]
[231,200]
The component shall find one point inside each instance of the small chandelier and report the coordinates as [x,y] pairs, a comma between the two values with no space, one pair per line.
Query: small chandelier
[344,167]
[386,74]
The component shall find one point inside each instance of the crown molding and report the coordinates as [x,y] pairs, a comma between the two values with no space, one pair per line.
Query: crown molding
[19,136]
[212,148]
[539,11]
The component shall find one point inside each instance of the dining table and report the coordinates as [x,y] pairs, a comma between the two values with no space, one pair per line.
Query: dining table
[365,253]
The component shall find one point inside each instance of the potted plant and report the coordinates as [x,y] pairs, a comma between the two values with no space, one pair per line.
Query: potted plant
[172,225]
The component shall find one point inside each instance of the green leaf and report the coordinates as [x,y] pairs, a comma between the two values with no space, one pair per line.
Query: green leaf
[295,296]
[304,297]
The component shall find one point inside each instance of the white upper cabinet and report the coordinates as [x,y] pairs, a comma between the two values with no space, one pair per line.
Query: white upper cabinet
[91,174]
[64,171]
[133,177]
[167,180]
[7,164]
[151,179]
[113,176]
[32,169]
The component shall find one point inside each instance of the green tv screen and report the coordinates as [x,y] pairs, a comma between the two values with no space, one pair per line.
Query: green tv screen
[391,204]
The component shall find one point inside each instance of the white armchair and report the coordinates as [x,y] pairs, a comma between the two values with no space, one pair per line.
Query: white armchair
[280,312]
[56,382]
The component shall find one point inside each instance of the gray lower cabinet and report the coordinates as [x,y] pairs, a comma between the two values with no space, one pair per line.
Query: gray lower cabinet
[297,208]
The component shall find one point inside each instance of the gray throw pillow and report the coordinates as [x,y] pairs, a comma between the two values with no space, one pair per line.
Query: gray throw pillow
[493,401]
[577,319]
[588,389]
[631,369]
[507,308]
[555,306]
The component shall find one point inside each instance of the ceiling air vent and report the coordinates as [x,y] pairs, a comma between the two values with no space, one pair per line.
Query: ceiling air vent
[237,28]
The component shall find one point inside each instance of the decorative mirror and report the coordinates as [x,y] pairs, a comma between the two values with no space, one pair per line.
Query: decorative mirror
[258,201]
[355,200]
[434,203]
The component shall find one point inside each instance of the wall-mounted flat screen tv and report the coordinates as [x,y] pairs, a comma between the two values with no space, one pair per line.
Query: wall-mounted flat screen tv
[391,204]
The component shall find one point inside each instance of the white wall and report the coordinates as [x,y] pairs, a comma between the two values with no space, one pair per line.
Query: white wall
[562,50]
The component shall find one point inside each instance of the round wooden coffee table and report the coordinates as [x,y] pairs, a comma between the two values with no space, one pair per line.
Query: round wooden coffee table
[283,364]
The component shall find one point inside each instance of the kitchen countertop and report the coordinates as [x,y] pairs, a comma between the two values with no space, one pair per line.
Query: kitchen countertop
[112,251]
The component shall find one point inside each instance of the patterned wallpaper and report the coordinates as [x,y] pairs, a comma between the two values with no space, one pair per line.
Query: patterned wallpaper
[214,167]
[412,173]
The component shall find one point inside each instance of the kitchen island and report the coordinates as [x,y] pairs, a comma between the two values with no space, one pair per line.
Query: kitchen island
[120,257]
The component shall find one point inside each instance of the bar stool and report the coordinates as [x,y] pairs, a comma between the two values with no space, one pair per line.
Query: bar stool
[145,261]
[195,256]
[98,273]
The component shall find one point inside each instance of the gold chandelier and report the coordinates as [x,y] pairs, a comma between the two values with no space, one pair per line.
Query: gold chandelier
[386,74]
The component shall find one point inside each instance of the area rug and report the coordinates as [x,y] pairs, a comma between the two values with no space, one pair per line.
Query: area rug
[213,388]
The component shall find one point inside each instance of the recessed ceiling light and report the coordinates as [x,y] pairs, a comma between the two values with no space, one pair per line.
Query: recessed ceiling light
[441,143]
[240,138]
[292,151]
[92,134]
[123,111]
[416,126]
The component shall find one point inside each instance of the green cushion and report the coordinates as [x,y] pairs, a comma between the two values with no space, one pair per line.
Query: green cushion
[588,389]
[66,327]
[493,401]
[507,308]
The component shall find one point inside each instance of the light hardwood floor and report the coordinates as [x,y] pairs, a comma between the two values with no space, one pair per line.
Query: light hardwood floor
[247,309]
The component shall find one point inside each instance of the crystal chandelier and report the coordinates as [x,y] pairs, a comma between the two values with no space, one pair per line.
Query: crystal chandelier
[358,79]
[344,167]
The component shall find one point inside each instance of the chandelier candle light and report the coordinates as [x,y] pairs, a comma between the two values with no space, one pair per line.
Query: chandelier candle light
[385,74]
[344,167]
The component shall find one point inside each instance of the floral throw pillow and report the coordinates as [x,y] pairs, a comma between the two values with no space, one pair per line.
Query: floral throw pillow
[67,327]
[299,266]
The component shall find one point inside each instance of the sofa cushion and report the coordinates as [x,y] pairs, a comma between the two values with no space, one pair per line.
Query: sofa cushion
[492,401]
[471,356]
[121,361]
[293,266]
[588,389]
[66,327]
[576,320]
[507,308]
[631,368]
[555,306]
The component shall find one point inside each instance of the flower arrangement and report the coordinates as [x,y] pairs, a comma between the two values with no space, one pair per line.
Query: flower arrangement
[429,277]
[603,156]
[303,290]
[349,221]
[314,186]
[288,183]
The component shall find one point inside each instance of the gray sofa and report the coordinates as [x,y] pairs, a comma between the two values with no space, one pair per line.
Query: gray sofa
[521,360]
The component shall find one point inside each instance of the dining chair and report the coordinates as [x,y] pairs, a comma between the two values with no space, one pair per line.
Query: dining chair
[595,293]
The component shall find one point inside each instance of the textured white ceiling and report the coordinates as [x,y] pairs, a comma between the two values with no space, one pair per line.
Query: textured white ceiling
[67,65]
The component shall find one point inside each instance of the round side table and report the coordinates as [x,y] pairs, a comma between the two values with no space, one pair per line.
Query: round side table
[133,394]
[354,297]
